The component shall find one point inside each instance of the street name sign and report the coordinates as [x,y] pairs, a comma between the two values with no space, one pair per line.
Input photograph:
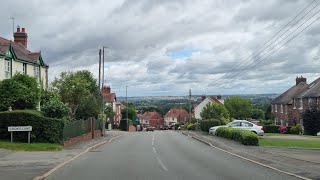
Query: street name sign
[19,128]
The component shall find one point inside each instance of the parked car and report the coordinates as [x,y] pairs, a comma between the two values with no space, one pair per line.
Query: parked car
[150,128]
[240,124]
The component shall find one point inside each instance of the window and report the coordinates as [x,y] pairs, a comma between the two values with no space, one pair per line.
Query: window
[286,109]
[309,101]
[294,103]
[24,68]
[7,69]
[276,121]
[245,124]
[275,108]
[235,124]
[281,108]
[36,72]
[301,103]
[318,101]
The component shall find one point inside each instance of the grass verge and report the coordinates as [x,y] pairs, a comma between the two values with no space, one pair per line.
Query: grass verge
[279,134]
[289,143]
[30,147]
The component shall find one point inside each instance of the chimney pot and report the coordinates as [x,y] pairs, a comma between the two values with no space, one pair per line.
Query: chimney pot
[18,29]
[23,29]
[300,79]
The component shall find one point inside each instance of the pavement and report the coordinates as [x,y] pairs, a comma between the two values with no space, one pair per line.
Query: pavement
[302,162]
[25,165]
[161,155]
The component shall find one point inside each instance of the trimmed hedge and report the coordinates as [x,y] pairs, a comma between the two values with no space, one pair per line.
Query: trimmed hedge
[44,130]
[123,125]
[275,129]
[205,125]
[191,127]
[243,136]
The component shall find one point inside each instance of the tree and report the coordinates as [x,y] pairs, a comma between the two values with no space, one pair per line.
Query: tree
[239,108]
[54,108]
[78,90]
[19,92]
[257,113]
[131,113]
[215,111]
[311,121]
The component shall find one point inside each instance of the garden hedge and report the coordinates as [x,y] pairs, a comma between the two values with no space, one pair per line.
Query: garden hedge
[243,136]
[274,129]
[191,127]
[45,130]
[205,125]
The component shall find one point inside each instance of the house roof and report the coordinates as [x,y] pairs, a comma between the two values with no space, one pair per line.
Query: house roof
[20,52]
[313,90]
[110,97]
[286,97]
[214,100]
[175,113]
[151,115]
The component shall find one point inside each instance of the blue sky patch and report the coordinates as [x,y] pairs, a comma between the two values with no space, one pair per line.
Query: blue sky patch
[181,54]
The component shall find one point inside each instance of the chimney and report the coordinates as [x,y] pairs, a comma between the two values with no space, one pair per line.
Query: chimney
[300,79]
[106,89]
[21,37]
[219,97]
[203,97]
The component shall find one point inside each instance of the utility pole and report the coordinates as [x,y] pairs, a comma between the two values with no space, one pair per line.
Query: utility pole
[99,68]
[190,106]
[103,91]
[179,112]
[127,107]
[12,18]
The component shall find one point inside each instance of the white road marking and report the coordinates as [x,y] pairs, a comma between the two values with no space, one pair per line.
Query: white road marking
[156,154]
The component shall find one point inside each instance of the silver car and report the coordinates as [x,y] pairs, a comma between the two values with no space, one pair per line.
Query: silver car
[240,124]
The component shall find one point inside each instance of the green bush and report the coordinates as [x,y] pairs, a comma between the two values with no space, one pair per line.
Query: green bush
[271,129]
[297,129]
[205,125]
[176,126]
[123,125]
[191,127]
[45,130]
[243,136]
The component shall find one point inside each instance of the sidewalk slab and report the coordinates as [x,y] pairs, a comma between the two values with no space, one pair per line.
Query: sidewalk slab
[297,161]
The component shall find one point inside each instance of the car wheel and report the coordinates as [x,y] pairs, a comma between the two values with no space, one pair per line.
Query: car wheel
[254,132]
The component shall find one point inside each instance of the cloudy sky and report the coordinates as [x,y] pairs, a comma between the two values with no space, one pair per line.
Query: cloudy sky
[168,47]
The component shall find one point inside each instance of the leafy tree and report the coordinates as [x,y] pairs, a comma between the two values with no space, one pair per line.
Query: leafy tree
[257,113]
[19,92]
[215,111]
[239,108]
[54,108]
[311,121]
[78,90]
[131,113]
[89,107]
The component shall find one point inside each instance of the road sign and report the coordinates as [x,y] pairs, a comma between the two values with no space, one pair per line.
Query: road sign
[12,129]
[19,128]
[136,119]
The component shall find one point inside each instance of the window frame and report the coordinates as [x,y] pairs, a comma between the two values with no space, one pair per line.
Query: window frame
[301,103]
[7,68]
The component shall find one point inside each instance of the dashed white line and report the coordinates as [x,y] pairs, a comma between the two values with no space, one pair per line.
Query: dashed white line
[156,154]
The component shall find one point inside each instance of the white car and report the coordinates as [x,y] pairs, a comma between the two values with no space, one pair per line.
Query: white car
[240,124]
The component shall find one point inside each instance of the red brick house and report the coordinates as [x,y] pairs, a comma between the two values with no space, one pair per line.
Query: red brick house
[176,116]
[289,106]
[153,119]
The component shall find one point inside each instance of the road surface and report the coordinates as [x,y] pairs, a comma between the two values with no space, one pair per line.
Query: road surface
[161,155]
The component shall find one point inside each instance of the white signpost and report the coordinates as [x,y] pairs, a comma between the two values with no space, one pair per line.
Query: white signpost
[12,129]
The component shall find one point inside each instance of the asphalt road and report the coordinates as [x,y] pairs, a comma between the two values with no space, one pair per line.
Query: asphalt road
[161,155]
